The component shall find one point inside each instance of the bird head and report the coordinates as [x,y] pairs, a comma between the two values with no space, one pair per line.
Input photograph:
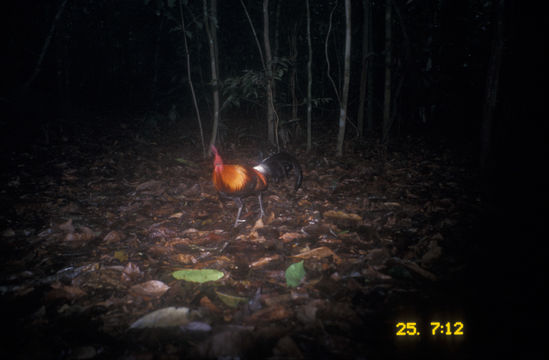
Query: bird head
[218,162]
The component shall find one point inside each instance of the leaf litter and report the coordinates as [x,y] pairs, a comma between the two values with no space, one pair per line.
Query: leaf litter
[90,246]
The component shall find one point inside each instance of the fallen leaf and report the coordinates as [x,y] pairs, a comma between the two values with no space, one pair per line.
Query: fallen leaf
[112,237]
[151,184]
[131,272]
[342,215]
[8,233]
[231,343]
[270,314]
[294,274]
[151,288]
[291,236]
[184,258]
[434,252]
[410,265]
[287,348]
[198,275]
[318,253]
[307,313]
[205,302]
[121,256]
[60,291]
[258,224]
[185,162]
[377,257]
[166,317]
[264,261]
[67,226]
[230,300]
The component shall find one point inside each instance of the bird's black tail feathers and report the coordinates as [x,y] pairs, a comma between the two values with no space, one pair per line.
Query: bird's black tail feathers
[279,166]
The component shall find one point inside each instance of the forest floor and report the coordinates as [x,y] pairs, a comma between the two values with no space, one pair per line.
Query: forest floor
[93,229]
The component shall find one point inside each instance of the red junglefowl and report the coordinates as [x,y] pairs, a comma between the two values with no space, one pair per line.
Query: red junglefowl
[239,181]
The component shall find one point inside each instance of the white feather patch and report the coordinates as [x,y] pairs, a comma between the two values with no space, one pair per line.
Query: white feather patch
[262,169]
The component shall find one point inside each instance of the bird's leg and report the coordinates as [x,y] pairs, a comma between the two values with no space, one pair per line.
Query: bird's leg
[261,205]
[240,206]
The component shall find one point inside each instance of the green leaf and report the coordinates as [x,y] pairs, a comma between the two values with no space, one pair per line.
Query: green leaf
[186,162]
[230,300]
[198,275]
[121,256]
[294,274]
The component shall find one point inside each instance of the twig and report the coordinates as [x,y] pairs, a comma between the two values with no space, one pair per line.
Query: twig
[46,45]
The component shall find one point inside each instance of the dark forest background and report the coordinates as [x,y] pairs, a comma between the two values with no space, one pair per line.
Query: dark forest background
[69,64]
[73,67]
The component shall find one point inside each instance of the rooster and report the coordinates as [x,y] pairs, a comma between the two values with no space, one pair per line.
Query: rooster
[239,181]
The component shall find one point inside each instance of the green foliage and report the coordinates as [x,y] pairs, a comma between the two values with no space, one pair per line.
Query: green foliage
[198,275]
[280,67]
[230,300]
[294,274]
[251,85]
[321,101]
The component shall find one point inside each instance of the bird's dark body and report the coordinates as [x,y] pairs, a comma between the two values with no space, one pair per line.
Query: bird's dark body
[278,167]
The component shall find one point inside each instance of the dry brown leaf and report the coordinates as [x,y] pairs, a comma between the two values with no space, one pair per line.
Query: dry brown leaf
[291,236]
[264,261]
[342,215]
[60,291]
[307,313]
[417,269]
[113,236]
[318,253]
[163,211]
[177,241]
[176,215]
[151,184]
[8,233]
[258,224]
[83,234]
[392,204]
[270,218]
[184,258]
[269,314]
[271,300]
[67,226]
[151,288]
[287,348]
[377,256]
[208,304]
[433,253]
[158,250]
[131,271]
[372,274]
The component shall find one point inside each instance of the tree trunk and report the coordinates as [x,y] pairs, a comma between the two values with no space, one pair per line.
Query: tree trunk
[210,25]
[45,46]
[63,63]
[365,68]
[156,60]
[271,126]
[387,93]
[346,80]
[492,84]
[276,43]
[293,72]
[191,86]
[309,79]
